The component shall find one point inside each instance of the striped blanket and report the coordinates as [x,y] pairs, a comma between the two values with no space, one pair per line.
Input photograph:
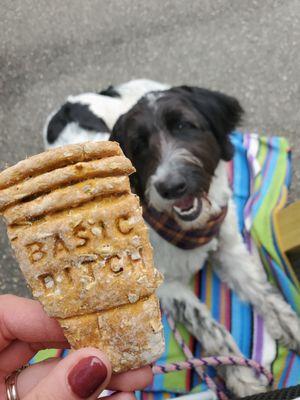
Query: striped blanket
[260,175]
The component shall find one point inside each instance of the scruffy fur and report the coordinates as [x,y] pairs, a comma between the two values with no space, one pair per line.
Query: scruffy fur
[178,141]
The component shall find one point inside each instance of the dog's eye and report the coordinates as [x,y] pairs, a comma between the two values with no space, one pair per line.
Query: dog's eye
[184,125]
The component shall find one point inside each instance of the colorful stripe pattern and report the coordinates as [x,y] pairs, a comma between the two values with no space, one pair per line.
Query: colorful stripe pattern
[48,353]
[259,174]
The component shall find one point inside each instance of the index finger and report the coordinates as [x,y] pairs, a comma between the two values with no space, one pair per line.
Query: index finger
[25,320]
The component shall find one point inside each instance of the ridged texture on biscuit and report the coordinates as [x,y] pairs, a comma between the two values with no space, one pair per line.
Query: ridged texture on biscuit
[111,166]
[82,244]
[57,158]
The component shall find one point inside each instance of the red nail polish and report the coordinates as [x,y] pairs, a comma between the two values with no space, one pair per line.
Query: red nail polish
[87,376]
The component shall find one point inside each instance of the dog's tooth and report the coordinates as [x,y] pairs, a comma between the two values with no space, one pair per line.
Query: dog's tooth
[187,212]
[190,211]
[177,209]
[183,212]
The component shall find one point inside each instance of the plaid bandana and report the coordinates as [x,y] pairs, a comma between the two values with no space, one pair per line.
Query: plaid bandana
[168,229]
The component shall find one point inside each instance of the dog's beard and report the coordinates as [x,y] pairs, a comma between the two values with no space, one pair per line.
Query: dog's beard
[211,202]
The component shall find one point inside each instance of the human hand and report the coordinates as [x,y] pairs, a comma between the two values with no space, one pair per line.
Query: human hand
[24,329]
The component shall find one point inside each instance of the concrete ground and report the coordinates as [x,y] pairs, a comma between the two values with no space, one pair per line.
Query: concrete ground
[50,49]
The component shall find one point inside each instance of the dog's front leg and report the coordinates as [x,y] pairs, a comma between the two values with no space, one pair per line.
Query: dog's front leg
[237,268]
[186,308]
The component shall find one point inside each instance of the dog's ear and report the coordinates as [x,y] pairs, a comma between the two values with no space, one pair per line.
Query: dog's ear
[222,112]
[118,134]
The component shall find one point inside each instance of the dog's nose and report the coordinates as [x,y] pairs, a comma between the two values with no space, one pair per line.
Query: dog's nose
[171,188]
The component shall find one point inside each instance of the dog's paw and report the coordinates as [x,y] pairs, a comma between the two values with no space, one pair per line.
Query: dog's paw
[284,326]
[243,381]
[290,337]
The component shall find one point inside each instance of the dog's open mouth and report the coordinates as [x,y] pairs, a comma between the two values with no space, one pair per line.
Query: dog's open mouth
[188,208]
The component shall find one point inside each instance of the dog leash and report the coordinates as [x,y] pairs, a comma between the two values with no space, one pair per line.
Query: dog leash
[199,363]
[189,355]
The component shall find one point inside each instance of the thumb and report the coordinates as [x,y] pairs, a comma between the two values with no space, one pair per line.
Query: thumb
[83,374]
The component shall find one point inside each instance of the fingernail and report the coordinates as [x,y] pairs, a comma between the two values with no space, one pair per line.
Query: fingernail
[87,376]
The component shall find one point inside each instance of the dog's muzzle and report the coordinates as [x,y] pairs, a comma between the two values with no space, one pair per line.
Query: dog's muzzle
[175,189]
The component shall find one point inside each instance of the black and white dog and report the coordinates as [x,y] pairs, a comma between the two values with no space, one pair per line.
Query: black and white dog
[178,141]
[91,116]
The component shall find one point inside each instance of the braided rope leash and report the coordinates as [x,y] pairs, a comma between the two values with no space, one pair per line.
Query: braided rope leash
[214,362]
[198,363]
[189,355]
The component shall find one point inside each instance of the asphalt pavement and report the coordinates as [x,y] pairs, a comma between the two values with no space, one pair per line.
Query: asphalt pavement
[50,49]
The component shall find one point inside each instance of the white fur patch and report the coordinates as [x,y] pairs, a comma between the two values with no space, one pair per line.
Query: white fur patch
[152,98]
[105,107]
[73,133]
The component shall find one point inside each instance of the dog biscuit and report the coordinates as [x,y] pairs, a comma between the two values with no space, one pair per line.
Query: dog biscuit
[80,239]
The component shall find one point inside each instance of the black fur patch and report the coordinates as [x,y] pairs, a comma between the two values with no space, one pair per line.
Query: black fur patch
[110,91]
[197,120]
[56,125]
[222,113]
[74,112]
